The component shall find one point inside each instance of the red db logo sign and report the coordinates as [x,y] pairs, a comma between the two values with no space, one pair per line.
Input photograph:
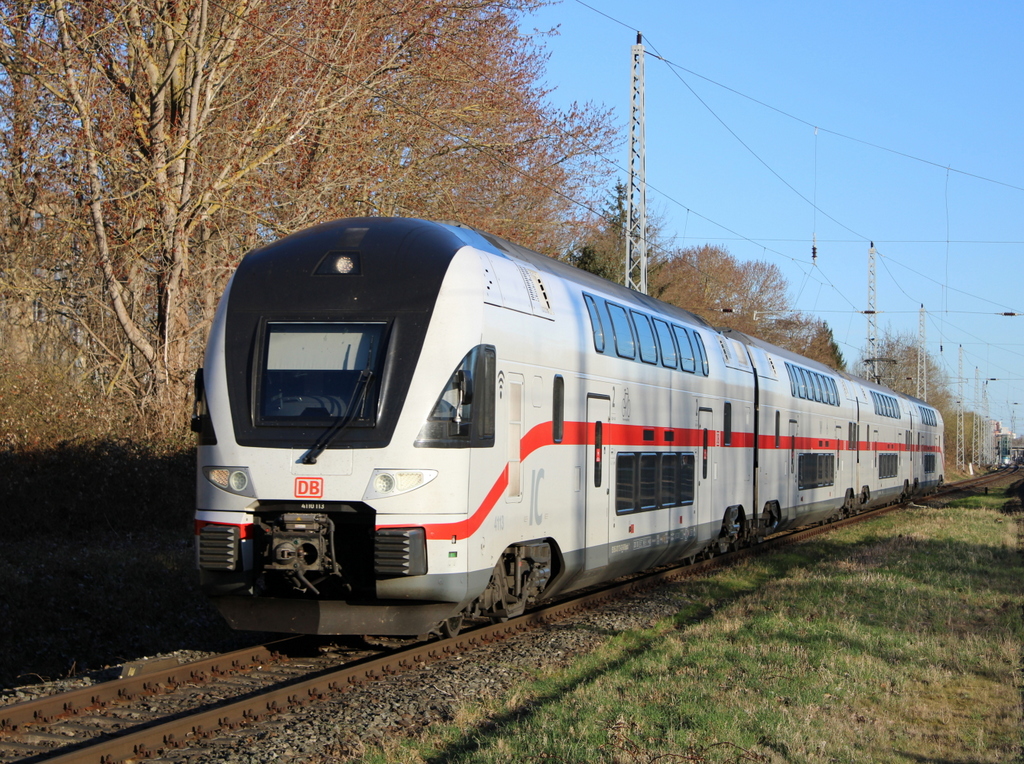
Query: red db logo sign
[309,488]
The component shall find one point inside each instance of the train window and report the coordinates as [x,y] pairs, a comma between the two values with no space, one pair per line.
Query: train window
[645,338]
[816,471]
[687,355]
[778,429]
[727,422]
[699,344]
[648,481]
[669,480]
[464,413]
[812,385]
[687,470]
[598,448]
[888,465]
[595,323]
[669,357]
[805,384]
[928,417]
[929,463]
[320,373]
[622,330]
[558,409]
[625,482]
[852,440]
[886,405]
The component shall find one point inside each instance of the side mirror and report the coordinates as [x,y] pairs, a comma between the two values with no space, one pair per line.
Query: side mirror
[198,403]
[464,384]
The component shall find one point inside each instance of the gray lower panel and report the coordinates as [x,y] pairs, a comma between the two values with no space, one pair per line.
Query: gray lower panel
[332,616]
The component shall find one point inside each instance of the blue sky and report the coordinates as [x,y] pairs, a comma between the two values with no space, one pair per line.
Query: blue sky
[918,109]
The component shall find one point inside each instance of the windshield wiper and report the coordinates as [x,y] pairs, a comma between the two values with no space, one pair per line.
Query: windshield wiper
[355,403]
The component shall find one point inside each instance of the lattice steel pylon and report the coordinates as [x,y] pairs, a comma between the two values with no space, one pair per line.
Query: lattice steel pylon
[922,359]
[987,431]
[961,462]
[976,423]
[872,314]
[636,209]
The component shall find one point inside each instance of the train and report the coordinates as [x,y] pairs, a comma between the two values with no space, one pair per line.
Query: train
[404,424]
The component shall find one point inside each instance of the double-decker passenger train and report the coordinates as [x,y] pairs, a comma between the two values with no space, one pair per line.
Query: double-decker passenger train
[403,423]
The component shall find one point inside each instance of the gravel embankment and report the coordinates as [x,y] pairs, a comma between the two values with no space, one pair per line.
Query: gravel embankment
[340,728]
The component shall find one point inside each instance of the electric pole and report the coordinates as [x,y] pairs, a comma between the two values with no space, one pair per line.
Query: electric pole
[636,210]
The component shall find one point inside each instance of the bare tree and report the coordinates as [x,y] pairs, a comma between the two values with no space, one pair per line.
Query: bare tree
[192,131]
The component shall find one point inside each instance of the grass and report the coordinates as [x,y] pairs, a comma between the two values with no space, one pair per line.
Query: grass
[896,641]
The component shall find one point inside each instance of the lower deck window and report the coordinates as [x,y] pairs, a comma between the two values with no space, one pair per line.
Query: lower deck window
[817,470]
[647,481]
[929,463]
[888,465]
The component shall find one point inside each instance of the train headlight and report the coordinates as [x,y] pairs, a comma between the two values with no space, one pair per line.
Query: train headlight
[394,482]
[231,479]
[238,481]
[384,483]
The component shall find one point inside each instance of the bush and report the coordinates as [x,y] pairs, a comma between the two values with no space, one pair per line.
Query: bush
[69,467]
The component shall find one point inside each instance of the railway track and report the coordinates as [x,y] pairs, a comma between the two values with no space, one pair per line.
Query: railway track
[162,708]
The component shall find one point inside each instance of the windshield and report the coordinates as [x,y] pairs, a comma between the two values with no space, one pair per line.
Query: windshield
[311,372]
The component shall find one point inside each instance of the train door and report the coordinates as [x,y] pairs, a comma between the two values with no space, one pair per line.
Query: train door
[791,507]
[599,479]
[704,501]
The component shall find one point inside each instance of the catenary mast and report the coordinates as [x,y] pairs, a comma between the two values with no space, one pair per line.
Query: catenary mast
[636,210]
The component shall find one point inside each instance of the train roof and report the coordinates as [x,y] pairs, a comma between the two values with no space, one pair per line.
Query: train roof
[496,245]
[775,350]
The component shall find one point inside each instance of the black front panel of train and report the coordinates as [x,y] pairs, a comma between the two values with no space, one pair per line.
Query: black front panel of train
[324,329]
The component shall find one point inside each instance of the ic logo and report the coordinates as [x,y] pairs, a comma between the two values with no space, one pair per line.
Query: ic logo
[309,488]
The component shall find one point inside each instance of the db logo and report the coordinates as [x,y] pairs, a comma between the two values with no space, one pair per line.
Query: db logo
[309,488]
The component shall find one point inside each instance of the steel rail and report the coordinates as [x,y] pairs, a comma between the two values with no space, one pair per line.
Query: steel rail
[87,699]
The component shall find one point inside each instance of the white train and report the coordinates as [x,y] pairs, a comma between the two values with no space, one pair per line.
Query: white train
[402,423]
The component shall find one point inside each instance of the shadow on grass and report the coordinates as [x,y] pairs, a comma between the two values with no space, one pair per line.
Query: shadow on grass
[494,728]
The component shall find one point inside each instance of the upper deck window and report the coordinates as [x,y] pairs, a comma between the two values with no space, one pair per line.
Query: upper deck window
[625,345]
[668,347]
[595,323]
[928,416]
[886,405]
[812,385]
[645,335]
[639,336]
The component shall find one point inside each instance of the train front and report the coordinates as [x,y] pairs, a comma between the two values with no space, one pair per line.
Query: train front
[327,379]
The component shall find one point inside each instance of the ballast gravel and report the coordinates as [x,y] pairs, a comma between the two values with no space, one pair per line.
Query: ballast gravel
[341,727]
